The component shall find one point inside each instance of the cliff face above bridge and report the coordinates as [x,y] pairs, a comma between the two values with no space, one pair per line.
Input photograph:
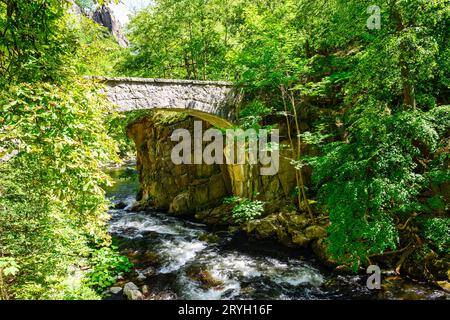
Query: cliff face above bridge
[105,17]
[213,101]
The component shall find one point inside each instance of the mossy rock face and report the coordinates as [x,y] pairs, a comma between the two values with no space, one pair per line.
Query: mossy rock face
[298,221]
[189,188]
[300,239]
[289,228]
[219,216]
[315,232]
[425,263]
[180,189]
[264,228]
[180,204]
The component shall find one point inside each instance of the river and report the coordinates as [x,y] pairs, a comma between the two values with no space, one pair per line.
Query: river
[183,259]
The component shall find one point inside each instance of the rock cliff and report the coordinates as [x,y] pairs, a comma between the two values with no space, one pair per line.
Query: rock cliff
[180,189]
[104,16]
[199,188]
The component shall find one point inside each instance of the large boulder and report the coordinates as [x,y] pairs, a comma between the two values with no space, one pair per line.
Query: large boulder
[180,204]
[264,228]
[289,228]
[132,292]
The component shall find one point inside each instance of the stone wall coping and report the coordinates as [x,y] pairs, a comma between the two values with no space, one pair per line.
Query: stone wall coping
[161,81]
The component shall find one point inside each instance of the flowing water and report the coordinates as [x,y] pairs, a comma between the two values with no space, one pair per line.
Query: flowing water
[182,259]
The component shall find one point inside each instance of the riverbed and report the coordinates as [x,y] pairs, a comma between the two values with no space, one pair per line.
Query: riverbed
[179,258]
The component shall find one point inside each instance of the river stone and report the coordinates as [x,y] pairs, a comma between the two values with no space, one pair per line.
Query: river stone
[130,286]
[115,290]
[141,276]
[204,277]
[120,205]
[264,228]
[131,291]
[145,290]
[180,204]
[150,271]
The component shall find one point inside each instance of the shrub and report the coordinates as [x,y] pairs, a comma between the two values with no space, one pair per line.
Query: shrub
[245,210]
[437,230]
[107,264]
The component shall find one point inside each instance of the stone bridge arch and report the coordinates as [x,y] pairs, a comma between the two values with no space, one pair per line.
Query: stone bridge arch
[212,101]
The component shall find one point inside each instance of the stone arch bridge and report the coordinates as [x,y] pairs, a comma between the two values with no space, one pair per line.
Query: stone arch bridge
[213,101]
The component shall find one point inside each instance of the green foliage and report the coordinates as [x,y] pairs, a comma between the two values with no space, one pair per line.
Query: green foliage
[8,266]
[85,5]
[116,124]
[41,41]
[164,118]
[372,178]
[393,137]
[106,265]
[28,51]
[53,145]
[179,39]
[252,115]
[245,210]
[97,52]
[437,230]
[52,204]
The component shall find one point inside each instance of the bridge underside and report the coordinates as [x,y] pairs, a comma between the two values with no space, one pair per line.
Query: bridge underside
[212,119]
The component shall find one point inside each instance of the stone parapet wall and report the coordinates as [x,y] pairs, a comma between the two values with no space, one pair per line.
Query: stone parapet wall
[212,101]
